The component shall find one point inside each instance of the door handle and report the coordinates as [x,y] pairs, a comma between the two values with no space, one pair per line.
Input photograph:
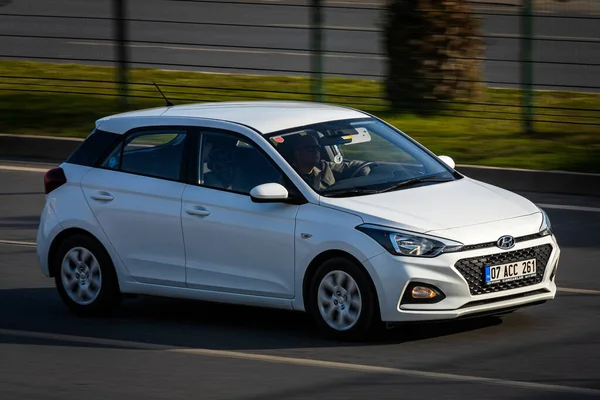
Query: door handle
[200,211]
[102,196]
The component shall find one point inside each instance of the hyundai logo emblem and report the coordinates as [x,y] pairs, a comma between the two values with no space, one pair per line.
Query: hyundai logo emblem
[506,242]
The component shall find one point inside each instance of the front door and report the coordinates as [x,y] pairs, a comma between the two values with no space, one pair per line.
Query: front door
[233,244]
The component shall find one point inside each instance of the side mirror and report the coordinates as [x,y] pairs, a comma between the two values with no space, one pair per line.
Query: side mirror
[448,161]
[268,193]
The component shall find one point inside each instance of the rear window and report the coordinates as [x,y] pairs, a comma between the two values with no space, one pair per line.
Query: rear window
[94,148]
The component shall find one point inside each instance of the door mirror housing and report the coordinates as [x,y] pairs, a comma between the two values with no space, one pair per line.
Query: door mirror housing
[269,193]
[448,161]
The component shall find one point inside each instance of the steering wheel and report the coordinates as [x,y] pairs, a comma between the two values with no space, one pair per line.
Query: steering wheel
[363,166]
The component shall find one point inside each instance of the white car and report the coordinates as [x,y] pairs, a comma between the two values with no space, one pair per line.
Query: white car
[293,205]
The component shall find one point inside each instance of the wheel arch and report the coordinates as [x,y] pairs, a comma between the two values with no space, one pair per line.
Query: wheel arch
[60,238]
[327,255]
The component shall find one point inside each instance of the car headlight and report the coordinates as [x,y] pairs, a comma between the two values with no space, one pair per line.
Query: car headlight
[404,243]
[546,227]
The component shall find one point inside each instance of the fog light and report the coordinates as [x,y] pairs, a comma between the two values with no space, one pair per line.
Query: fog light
[422,292]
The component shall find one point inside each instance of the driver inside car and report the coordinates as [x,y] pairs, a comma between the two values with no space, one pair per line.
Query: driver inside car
[224,173]
[320,174]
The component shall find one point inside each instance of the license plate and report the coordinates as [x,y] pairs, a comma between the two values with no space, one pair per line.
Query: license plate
[510,272]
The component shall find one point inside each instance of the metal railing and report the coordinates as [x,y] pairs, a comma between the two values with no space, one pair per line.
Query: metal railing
[530,45]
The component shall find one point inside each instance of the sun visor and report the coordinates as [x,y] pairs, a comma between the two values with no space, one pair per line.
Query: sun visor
[346,137]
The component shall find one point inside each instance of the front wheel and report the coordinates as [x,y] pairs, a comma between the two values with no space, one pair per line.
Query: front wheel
[342,300]
[85,276]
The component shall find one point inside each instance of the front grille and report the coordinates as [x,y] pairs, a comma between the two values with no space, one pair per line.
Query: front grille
[472,269]
[518,239]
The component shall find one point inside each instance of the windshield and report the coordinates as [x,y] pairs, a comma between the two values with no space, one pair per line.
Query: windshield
[354,157]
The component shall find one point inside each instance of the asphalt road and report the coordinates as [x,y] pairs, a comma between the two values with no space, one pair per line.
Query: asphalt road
[276,28]
[170,349]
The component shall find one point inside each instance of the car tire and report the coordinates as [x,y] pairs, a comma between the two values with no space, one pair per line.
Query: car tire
[339,288]
[85,276]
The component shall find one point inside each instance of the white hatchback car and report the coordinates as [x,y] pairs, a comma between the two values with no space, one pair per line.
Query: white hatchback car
[293,205]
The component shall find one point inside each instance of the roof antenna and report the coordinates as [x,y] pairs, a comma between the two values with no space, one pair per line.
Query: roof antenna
[169,104]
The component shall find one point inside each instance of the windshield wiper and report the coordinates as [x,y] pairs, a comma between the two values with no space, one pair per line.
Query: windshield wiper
[368,190]
[413,181]
[350,191]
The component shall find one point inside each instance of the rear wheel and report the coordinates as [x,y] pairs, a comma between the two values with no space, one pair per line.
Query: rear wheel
[342,300]
[85,276]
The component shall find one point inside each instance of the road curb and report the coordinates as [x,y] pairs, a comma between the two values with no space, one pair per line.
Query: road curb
[57,149]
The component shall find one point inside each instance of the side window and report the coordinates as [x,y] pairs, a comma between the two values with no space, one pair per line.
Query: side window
[232,164]
[152,153]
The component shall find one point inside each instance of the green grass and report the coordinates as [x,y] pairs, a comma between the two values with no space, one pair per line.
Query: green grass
[67,105]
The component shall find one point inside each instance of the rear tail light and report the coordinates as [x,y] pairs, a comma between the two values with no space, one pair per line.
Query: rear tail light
[54,179]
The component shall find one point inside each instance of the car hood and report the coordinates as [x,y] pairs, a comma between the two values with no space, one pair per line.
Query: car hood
[438,207]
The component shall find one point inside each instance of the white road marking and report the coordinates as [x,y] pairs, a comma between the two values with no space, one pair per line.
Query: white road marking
[18,243]
[579,291]
[298,53]
[303,26]
[355,3]
[537,171]
[376,30]
[575,38]
[497,35]
[27,169]
[476,5]
[570,208]
[380,5]
[302,362]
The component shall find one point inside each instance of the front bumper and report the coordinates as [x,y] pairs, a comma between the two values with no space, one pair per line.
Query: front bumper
[459,276]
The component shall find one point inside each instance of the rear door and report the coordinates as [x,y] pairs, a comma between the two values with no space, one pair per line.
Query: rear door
[136,197]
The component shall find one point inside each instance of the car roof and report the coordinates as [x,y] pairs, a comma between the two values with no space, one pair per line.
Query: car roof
[263,116]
